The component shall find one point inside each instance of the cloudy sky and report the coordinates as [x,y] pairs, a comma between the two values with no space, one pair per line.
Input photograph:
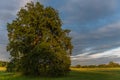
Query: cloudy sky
[94,25]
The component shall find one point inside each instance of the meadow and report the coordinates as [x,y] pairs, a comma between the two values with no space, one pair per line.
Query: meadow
[75,74]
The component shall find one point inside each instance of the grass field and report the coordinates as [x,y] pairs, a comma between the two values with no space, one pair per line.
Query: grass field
[75,74]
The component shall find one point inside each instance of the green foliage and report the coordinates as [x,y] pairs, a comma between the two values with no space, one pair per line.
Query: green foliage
[3,63]
[13,65]
[78,66]
[37,43]
[43,61]
[113,64]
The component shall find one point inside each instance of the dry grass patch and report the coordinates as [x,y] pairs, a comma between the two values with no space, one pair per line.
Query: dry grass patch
[94,69]
[2,68]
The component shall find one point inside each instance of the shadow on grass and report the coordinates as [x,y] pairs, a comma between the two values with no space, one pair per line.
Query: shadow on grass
[74,75]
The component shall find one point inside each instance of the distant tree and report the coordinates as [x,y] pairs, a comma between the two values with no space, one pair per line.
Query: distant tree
[13,65]
[113,64]
[102,65]
[78,66]
[92,66]
[85,66]
[3,63]
[37,43]
[110,64]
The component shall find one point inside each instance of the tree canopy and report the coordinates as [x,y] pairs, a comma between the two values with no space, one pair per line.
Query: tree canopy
[3,63]
[37,43]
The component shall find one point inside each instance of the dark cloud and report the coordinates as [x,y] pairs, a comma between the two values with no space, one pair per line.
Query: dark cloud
[82,11]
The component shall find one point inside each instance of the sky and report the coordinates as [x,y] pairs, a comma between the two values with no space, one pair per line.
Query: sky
[94,25]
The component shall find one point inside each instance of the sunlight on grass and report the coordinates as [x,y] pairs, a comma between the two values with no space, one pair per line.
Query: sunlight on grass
[94,69]
[2,68]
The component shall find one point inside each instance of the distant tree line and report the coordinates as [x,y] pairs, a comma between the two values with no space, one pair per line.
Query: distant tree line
[109,65]
[3,63]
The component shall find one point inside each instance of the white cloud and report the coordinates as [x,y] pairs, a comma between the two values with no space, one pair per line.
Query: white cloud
[23,2]
[88,58]
[110,53]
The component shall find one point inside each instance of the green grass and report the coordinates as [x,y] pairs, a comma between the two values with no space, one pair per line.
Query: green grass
[79,74]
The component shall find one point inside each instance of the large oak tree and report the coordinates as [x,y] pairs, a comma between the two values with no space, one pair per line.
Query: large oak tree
[37,43]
